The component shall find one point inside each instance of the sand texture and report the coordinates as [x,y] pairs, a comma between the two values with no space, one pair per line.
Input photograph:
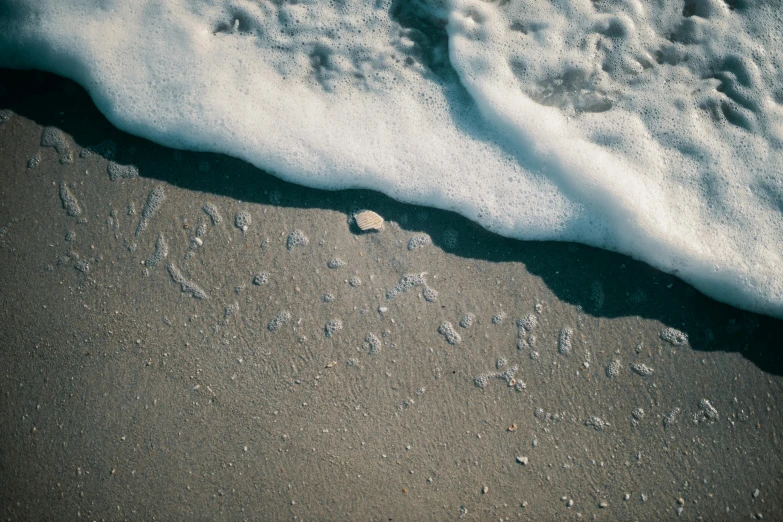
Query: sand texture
[184,337]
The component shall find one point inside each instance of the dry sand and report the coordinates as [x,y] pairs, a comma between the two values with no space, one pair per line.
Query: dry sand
[127,397]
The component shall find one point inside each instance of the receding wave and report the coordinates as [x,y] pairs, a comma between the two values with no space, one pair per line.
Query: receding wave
[651,129]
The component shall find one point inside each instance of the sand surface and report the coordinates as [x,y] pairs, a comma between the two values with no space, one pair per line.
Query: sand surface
[142,390]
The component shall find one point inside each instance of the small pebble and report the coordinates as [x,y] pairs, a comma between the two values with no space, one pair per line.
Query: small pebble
[522,460]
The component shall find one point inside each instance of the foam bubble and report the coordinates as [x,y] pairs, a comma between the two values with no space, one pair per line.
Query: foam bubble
[187,286]
[161,251]
[449,333]
[296,238]
[69,202]
[211,210]
[117,171]
[54,137]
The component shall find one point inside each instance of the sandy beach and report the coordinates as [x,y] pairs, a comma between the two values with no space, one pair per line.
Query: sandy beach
[268,360]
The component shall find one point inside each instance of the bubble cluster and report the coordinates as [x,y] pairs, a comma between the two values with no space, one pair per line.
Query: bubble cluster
[355,281]
[613,369]
[564,340]
[525,326]
[451,335]
[481,381]
[596,423]
[328,297]
[154,201]
[70,204]
[279,320]
[637,414]
[498,317]
[335,263]
[407,282]
[201,231]
[419,241]
[187,286]
[671,418]
[242,221]
[5,115]
[295,239]
[642,369]
[332,327]
[67,158]
[674,336]
[372,344]
[706,413]
[467,320]
[34,161]
[54,137]
[117,171]
[212,211]
[508,375]
[82,266]
[260,278]
[430,294]
[70,236]
[161,251]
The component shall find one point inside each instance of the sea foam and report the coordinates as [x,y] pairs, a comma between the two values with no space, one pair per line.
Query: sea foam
[654,129]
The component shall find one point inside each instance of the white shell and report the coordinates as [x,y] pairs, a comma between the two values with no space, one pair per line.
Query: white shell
[369,220]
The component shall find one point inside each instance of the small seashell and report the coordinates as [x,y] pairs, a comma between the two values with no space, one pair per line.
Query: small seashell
[368,220]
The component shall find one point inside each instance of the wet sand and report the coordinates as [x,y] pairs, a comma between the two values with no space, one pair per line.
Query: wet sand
[136,391]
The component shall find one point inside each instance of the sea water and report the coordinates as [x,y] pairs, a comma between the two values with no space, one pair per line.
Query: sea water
[652,128]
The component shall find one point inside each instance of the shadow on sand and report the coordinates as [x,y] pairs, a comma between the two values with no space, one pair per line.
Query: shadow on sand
[569,270]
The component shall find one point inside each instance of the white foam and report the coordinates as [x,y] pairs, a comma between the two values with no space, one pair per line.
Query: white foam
[651,130]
